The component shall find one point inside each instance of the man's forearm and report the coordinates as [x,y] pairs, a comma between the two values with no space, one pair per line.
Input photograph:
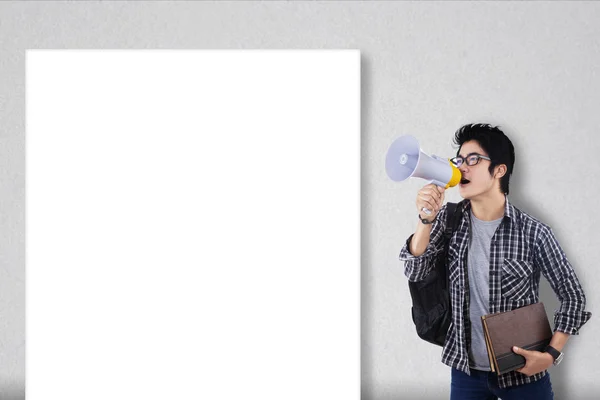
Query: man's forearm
[559,339]
[420,240]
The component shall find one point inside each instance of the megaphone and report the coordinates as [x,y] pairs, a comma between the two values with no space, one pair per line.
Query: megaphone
[405,159]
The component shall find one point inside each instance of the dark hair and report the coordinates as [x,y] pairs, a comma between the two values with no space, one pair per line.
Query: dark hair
[494,142]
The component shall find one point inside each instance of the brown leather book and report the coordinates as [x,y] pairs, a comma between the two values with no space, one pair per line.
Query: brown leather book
[526,327]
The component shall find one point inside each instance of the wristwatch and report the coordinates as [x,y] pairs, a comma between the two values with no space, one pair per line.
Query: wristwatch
[425,221]
[557,355]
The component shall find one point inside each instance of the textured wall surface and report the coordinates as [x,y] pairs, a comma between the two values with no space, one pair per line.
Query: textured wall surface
[427,68]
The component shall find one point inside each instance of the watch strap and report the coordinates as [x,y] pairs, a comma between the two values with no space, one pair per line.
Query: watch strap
[553,352]
[425,221]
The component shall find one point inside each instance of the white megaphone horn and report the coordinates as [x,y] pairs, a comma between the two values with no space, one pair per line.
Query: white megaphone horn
[405,159]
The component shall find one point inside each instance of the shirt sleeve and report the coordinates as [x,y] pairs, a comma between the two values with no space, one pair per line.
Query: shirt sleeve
[551,259]
[417,268]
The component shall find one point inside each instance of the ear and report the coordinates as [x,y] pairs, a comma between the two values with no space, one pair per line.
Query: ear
[500,171]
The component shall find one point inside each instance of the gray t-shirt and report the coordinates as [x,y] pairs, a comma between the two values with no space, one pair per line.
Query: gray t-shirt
[478,263]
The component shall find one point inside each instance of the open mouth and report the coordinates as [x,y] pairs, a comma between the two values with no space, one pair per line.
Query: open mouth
[464,181]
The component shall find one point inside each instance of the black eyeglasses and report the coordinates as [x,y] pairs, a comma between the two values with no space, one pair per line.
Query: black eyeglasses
[471,159]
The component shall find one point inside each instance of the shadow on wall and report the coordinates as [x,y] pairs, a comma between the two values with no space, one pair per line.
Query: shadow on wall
[12,393]
[366,308]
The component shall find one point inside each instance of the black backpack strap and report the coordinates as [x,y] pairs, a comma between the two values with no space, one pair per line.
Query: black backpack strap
[453,215]
[450,210]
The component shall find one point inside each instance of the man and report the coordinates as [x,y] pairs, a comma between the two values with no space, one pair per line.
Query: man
[495,260]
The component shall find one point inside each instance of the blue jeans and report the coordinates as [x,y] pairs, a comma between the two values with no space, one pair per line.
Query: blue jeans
[482,385]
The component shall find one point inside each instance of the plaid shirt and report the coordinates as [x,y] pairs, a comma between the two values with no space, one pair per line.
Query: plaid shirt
[522,248]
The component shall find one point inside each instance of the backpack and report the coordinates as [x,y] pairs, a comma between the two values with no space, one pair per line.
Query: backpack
[431,306]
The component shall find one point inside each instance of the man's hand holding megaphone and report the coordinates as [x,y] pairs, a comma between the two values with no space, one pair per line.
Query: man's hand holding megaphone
[431,198]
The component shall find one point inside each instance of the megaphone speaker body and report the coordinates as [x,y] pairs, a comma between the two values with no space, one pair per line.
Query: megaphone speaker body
[405,159]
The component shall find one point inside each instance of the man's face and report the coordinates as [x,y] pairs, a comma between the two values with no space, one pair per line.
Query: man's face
[479,179]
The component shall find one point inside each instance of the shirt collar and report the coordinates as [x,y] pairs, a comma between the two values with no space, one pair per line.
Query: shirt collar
[510,212]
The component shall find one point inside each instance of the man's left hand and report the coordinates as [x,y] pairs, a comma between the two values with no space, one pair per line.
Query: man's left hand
[535,361]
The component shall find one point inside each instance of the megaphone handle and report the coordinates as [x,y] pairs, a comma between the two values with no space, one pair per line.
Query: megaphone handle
[426,210]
